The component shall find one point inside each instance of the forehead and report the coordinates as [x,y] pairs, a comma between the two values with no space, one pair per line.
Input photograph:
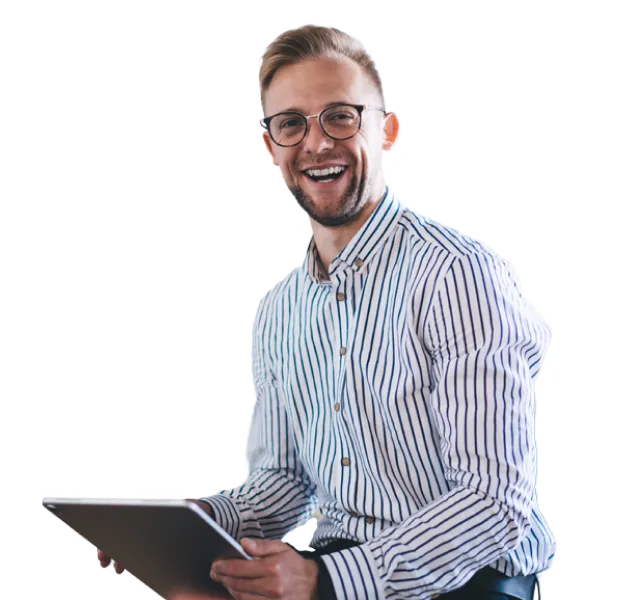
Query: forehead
[311,84]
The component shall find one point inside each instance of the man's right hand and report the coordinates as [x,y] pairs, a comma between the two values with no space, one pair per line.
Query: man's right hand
[105,560]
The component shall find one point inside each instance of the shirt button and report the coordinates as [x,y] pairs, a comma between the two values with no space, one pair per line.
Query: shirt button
[370,520]
[343,351]
[346,462]
[358,262]
[337,406]
[341,297]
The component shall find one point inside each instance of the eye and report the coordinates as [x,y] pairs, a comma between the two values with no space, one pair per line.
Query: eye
[342,116]
[291,122]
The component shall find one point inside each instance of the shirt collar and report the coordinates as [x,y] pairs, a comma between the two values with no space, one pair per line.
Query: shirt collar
[370,238]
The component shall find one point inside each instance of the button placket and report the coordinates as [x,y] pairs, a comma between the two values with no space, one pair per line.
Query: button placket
[342,310]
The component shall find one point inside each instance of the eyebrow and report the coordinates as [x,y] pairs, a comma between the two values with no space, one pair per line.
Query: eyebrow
[329,105]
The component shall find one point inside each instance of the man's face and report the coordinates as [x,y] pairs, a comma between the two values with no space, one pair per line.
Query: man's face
[308,87]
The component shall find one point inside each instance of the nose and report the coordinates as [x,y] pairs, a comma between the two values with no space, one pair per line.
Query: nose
[316,140]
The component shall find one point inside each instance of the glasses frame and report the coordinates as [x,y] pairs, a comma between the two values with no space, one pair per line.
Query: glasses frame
[359,107]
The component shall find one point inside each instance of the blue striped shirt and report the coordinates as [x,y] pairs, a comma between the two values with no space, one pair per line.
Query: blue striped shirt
[395,393]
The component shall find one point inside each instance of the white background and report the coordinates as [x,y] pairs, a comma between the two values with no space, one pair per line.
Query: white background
[142,221]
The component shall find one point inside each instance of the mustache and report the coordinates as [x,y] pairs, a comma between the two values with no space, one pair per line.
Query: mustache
[321,161]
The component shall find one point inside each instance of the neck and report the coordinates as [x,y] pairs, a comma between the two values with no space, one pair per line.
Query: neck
[331,240]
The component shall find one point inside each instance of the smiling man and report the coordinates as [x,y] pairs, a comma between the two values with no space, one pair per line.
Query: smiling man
[394,373]
[338,182]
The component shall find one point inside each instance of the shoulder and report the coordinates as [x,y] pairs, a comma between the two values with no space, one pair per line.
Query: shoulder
[280,300]
[439,251]
[446,240]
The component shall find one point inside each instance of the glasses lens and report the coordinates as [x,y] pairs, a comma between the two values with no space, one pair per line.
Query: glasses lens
[341,122]
[287,129]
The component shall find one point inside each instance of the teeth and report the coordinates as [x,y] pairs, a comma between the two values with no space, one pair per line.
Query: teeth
[323,172]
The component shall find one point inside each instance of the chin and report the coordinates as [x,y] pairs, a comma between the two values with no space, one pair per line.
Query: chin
[346,210]
[334,220]
[332,210]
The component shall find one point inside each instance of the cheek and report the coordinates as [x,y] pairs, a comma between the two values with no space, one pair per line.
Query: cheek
[287,162]
[372,156]
[364,161]
[290,170]
[281,161]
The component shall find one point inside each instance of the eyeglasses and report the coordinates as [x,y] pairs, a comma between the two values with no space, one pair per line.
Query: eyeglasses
[339,122]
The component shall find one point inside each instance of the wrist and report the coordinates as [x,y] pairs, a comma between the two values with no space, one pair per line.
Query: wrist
[203,505]
[314,572]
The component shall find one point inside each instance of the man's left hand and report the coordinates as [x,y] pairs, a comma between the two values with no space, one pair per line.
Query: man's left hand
[276,571]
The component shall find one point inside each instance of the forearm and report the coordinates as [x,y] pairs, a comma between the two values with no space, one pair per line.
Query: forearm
[435,550]
[270,504]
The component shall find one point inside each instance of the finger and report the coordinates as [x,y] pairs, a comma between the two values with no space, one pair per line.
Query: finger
[268,553]
[244,569]
[103,558]
[119,569]
[182,594]
[258,547]
[263,587]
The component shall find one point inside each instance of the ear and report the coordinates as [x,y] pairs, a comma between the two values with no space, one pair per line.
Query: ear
[270,146]
[391,130]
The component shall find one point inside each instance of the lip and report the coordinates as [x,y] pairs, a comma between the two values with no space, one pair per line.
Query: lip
[325,166]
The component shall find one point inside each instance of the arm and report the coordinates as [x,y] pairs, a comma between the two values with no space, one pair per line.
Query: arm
[278,494]
[487,344]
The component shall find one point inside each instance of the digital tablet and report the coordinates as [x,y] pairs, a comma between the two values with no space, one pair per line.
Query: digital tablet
[168,544]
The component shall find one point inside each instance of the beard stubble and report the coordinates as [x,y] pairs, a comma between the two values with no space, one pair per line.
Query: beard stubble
[352,202]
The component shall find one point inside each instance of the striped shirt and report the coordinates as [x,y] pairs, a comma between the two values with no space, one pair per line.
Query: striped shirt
[395,393]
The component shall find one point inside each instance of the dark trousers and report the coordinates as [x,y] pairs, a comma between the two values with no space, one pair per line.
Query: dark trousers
[486,584]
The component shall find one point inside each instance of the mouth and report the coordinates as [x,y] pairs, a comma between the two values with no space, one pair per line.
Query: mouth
[326,175]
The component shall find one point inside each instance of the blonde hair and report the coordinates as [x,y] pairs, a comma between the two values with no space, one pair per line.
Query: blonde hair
[310,42]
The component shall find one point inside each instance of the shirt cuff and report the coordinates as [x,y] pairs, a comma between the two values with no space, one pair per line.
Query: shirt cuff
[326,591]
[354,574]
[225,513]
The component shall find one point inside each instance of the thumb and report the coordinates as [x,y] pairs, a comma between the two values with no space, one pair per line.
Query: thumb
[259,547]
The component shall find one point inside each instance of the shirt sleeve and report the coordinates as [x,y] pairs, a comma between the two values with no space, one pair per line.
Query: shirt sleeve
[278,495]
[487,344]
